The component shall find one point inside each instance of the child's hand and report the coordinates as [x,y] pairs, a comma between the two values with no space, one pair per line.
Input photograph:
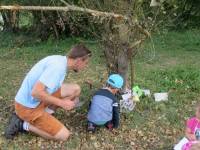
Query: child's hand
[191,137]
[109,125]
[189,134]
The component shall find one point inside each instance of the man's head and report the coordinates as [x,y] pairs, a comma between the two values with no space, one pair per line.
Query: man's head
[115,82]
[80,56]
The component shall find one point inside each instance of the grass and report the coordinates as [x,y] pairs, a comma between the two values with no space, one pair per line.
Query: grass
[168,62]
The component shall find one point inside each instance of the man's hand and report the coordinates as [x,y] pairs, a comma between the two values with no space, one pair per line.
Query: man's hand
[67,104]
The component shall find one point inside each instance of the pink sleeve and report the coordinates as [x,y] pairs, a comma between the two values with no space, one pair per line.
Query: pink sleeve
[190,124]
[188,145]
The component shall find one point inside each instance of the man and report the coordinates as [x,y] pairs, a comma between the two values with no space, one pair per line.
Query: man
[42,91]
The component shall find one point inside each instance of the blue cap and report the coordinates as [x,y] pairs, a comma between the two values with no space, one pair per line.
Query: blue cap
[116,81]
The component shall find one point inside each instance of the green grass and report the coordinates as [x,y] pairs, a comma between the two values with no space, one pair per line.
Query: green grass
[168,62]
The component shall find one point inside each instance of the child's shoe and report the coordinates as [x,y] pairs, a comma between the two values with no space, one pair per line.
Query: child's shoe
[109,125]
[91,127]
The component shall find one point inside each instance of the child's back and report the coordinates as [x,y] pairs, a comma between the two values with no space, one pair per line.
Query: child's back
[104,106]
[101,108]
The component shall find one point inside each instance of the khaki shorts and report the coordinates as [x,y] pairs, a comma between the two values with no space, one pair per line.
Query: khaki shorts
[39,118]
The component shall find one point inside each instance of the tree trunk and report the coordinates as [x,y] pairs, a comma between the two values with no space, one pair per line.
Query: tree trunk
[123,63]
[110,58]
[56,33]
[7,21]
[11,21]
[15,20]
[117,60]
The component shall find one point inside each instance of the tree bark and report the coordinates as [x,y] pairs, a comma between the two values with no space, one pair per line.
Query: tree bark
[11,21]
[7,21]
[123,66]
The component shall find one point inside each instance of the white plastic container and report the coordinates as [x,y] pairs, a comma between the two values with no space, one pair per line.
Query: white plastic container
[161,97]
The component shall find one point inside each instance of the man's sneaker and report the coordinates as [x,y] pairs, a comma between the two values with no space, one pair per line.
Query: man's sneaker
[15,125]
[91,127]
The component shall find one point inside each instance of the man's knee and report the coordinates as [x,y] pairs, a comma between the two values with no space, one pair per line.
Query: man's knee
[70,90]
[63,134]
[77,89]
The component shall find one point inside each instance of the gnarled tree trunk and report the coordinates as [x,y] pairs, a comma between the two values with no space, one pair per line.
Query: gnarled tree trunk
[11,20]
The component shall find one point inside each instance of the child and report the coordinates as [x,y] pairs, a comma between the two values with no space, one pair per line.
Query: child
[104,106]
[193,126]
[192,131]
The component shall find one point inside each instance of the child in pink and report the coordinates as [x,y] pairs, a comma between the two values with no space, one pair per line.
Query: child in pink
[192,131]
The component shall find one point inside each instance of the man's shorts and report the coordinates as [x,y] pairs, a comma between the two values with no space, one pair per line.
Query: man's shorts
[39,118]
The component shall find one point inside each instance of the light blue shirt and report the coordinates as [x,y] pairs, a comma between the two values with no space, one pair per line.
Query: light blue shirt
[50,71]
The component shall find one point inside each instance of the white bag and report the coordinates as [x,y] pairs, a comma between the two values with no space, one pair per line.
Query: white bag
[181,143]
[127,104]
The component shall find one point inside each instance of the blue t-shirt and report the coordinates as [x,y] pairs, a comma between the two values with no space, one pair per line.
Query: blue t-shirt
[50,71]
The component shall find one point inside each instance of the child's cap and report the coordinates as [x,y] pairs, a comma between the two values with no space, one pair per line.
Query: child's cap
[116,81]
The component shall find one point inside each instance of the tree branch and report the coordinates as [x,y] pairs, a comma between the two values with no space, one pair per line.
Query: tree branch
[66,8]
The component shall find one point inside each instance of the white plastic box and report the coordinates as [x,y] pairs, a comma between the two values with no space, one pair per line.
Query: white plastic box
[161,97]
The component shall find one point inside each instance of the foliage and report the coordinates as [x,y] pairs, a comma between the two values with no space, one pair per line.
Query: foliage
[178,14]
[150,126]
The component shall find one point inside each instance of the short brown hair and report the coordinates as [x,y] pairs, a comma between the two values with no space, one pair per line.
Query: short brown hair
[78,51]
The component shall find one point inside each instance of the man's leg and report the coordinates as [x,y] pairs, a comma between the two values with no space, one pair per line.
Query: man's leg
[47,126]
[40,123]
[62,135]
[71,91]
[14,126]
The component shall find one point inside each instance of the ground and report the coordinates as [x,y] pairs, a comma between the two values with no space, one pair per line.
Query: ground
[169,62]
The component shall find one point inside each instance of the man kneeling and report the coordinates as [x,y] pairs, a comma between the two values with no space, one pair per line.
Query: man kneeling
[42,91]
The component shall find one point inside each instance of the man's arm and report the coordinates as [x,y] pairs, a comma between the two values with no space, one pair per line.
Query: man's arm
[39,92]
